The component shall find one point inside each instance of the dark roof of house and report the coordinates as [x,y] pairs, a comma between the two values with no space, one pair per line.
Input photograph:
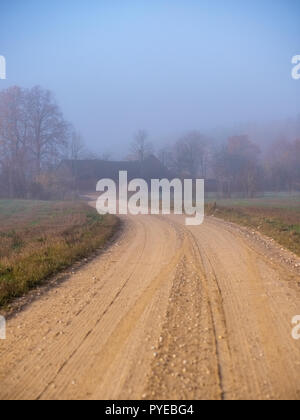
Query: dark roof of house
[151,168]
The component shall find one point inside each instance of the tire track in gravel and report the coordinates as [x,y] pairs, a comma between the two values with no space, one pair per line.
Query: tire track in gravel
[166,312]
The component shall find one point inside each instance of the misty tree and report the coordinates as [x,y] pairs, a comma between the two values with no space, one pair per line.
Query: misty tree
[48,129]
[295,163]
[282,165]
[140,147]
[165,155]
[33,138]
[77,148]
[237,167]
[191,155]
[13,140]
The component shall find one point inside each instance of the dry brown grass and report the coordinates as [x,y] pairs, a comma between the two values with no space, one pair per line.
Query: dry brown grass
[281,224]
[39,239]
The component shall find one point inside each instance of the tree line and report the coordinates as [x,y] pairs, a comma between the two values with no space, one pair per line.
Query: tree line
[237,166]
[35,137]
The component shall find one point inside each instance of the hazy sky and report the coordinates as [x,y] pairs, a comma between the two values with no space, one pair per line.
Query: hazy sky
[164,65]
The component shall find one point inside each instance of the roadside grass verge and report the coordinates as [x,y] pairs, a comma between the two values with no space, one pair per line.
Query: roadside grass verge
[281,224]
[39,239]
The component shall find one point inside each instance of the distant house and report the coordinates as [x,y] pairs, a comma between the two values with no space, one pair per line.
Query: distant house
[86,173]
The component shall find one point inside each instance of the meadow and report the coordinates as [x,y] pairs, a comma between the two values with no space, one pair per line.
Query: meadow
[275,215]
[38,239]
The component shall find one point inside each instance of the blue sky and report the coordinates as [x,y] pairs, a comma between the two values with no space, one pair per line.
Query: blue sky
[164,65]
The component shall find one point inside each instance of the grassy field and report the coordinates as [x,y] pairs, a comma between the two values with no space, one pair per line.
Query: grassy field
[275,216]
[278,201]
[39,239]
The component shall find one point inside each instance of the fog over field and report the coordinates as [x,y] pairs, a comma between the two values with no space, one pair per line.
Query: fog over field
[223,68]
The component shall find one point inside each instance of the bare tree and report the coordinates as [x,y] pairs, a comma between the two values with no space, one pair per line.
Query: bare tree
[13,140]
[282,165]
[191,155]
[140,147]
[165,155]
[48,129]
[237,167]
[33,138]
[77,147]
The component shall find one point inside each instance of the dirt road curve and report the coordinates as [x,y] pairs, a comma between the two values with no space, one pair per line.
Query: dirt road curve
[167,312]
